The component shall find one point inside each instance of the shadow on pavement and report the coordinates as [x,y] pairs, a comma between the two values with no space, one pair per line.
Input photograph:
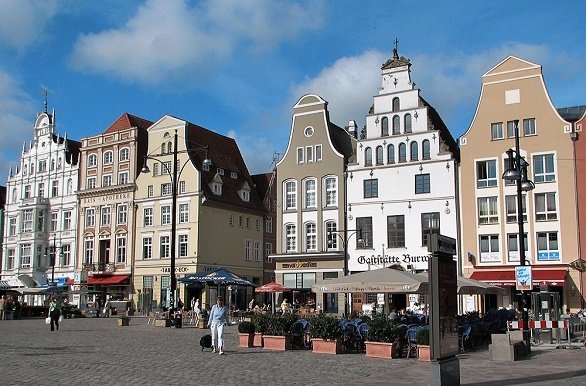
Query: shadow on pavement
[555,378]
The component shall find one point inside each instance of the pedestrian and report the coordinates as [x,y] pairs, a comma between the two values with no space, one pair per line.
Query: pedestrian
[195,311]
[217,320]
[54,313]
[97,306]
[107,308]
[3,307]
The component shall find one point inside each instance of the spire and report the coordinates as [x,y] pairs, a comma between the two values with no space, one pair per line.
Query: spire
[10,172]
[396,49]
[45,93]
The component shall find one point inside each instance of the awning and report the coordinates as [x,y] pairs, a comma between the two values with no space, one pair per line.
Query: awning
[4,285]
[110,279]
[553,277]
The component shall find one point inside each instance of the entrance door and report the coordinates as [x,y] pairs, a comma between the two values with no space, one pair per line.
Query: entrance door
[104,254]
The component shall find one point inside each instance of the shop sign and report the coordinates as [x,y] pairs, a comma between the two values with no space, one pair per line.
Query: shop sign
[387,260]
[109,197]
[523,279]
[298,264]
[177,269]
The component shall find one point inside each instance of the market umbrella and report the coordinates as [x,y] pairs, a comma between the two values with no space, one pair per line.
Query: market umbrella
[272,287]
[467,286]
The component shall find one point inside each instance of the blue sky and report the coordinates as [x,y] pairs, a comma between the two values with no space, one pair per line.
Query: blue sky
[237,67]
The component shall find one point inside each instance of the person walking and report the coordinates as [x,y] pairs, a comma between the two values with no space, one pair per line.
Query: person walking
[3,307]
[107,308]
[54,313]
[217,320]
[195,311]
[97,306]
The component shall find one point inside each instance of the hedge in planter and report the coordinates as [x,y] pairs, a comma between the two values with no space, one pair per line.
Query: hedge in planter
[261,322]
[381,337]
[326,334]
[246,334]
[422,339]
[278,329]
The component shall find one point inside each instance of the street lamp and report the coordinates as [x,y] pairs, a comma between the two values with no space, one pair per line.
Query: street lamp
[52,253]
[345,239]
[174,185]
[517,171]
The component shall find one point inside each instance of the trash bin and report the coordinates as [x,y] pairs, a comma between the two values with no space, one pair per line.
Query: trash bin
[178,321]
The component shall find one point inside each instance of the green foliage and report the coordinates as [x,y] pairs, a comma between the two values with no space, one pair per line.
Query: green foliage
[325,327]
[364,318]
[280,325]
[246,327]
[70,311]
[382,329]
[261,322]
[422,337]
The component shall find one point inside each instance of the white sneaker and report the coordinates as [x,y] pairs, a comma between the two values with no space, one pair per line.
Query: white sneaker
[221,352]
[213,350]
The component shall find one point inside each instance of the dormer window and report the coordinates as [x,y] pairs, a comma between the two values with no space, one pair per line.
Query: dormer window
[221,171]
[217,188]
[245,196]
[244,193]
[234,175]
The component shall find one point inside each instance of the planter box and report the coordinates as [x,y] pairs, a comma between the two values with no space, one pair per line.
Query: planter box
[258,340]
[245,340]
[423,353]
[280,343]
[380,350]
[123,322]
[163,323]
[321,346]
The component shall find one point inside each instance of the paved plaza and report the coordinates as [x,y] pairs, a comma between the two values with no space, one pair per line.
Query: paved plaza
[97,351]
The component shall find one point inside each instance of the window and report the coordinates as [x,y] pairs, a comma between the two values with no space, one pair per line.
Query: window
[422,183]
[513,246]
[183,245]
[150,191]
[511,208]
[106,217]
[486,174]
[166,168]
[529,126]
[147,248]
[379,155]
[364,224]
[408,124]
[396,125]
[10,262]
[248,250]
[414,151]
[331,235]
[122,214]
[124,154]
[148,217]
[402,152]
[165,247]
[155,169]
[510,129]
[90,183]
[27,191]
[371,188]
[231,220]
[12,226]
[217,188]
[545,207]
[41,221]
[268,251]
[182,187]
[488,210]
[310,237]
[396,104]
[183,213]
[27,220]
[90,217]
[368,156]
[147,283]
[384,126]
[52,165]
[54,188]
[92,161]
[496,130]
[166,189]
[247,222]
[291,195]
[396,231]
[88,248]
[121,249]
[309,154]
[543,168]
[240,221]
[430,223]
[391,154]
[122,178]
[310,192]
[69,186]
[489,249]
[106,180]
[25,255]
[108,157]
[257,250]
[318,153]
[426,149]
[257,224]
[290,237]
[331,192]
[66,220]
[547,246]
[269,225]
[165,215]
[300,155]
[41,190]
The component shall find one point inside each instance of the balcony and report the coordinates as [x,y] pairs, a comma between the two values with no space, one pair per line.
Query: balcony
[34,201]
[99,267]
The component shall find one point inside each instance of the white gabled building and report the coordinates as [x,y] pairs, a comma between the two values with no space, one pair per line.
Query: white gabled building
[41,209]
[402,186]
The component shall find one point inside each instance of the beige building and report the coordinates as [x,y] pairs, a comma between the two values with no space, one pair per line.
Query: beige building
[515,90]
[110,164]
[310,204]
[219,221]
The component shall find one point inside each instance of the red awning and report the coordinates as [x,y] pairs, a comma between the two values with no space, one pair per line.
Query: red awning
[110,279]
[70,282]
[554,277]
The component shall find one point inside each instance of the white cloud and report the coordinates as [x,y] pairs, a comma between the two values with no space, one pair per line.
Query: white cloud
[23,21]
[172,39]
[256,151]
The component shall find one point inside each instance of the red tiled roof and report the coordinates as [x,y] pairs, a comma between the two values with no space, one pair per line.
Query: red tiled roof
[126,121]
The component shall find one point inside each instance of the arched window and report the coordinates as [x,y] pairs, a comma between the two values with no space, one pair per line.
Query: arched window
[169,147]
[331,235]
[14,196]
[290,195]
[368,157]
[384,129]
[414,151]
[426,149]
[402,152]
[163,148]
[396,125]
[396,104]
[310,237]
[108,157]
[124,154]
[408,123]
[69,186]
[379,155]
[92,160]
[391,154]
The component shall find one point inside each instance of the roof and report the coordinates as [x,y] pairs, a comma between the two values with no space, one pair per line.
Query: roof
[435,122]
[72,152]
[127,121]
[396,61]
[572,114]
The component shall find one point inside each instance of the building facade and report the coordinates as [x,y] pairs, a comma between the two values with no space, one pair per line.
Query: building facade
[514,90]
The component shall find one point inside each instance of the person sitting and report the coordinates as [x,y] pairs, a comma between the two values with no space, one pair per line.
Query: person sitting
[285,306]
[393,314]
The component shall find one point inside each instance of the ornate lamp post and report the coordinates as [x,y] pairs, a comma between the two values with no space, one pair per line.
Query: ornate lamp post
[52,253]
[517,171]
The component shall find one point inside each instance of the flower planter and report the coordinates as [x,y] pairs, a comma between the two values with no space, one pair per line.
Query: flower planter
[423,353]
[321,346]
[246,340]
[273,342]
[258,340]
[380,350]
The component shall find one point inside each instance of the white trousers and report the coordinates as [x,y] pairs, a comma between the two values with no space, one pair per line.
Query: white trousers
[218,335]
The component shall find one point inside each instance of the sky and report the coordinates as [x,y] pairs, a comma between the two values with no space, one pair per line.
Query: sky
[237,67]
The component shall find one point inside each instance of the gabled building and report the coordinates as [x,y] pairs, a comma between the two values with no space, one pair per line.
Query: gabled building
[266,188]
[41,209]
[219,219]
[402,185]
[514,90]
[110,164]
[310,203]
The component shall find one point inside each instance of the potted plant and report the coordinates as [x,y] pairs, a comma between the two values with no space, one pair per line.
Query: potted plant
[326,334]
[423,350]
[246,334]
[277,335]
[381,337]
[260,327]
[123,320]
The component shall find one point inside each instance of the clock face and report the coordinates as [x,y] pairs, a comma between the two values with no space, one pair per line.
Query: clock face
[309,131]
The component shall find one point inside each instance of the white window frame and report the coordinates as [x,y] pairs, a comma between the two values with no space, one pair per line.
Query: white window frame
[310,192]
[310,237]
[54,188]
[290,195]
[318,153]
[183,213]
[269,225]
[124,154]
[122,178]
[309,154]
[147,248]
[148,216]
[248,250]
[257,250]
[122,214]
[547,249]
[290,238]
[166,189]
[26,254]
[529,129]
[108,157]
[92,160]
[165,214]
[497,131]
[67,220]
[492,253]
[511,208]
[183,245]
[27,220]
[88,250]
[105,216]
[12,226]
[121,249]
[491,179]
[545,206]
[90,217]
[90,183]
[546,164]
[164,246]
[150,191]
[106,180]
[488,210]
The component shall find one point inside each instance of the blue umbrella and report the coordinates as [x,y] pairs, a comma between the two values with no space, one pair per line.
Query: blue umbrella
[217,276]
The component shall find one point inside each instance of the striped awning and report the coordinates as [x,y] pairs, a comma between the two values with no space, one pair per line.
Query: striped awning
[4,285]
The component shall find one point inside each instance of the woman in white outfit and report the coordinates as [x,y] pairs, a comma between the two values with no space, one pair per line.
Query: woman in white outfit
[217,320]
[195,311]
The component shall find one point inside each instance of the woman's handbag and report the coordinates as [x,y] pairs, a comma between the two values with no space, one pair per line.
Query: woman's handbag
[60,318]
[48,320]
